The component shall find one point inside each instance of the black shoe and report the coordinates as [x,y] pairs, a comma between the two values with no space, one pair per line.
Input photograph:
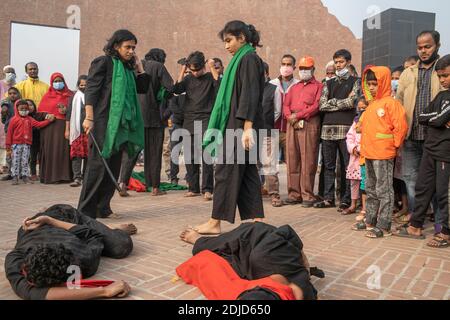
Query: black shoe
[308,204]
[76,183]
[292,202]
[6,178]
[324,205]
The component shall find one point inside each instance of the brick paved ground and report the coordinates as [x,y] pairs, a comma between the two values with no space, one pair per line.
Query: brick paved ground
[409,269]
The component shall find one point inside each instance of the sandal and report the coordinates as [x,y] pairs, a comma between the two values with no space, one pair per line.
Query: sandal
[292,202]
[403,219]
[192,195]
[343,207]
[402,232]
[276,202]
[348,212]
[377,233]
[438,242]
[324,205]
[360,226]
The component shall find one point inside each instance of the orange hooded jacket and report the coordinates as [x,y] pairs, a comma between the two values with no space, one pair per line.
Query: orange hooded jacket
[383,124]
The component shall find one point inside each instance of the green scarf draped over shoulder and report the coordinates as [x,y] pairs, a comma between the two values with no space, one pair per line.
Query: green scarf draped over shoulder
[222,106]
[125,124]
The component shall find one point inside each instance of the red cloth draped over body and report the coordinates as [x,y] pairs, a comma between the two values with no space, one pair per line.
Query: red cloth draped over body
[217,280]
[53,97]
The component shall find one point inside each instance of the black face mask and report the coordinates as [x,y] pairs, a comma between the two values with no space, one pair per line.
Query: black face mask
[432,59]
[82,90]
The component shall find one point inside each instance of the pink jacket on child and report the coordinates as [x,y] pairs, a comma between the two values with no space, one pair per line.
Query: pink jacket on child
[353,141]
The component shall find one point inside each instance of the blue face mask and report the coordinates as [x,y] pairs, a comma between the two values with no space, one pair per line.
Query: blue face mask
[394,85]
[58,85]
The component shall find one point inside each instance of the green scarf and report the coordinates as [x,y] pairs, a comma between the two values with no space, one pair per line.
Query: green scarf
[125,124]
[222,106]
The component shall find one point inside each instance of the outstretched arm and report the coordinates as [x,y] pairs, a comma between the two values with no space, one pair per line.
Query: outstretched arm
[119,289]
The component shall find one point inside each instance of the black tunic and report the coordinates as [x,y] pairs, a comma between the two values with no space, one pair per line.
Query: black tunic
[269,106]
[239,184]
[98,189]
[88,241]
[200,97]
[259,250]
[159,77]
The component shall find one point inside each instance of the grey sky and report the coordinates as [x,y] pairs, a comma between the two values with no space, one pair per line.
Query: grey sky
[351,13]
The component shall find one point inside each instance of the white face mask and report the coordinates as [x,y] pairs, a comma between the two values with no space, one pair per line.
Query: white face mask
[305,75]
[24,113]
[342,73]
[10,77]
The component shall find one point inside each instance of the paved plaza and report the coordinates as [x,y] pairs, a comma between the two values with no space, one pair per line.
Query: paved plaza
[408,268]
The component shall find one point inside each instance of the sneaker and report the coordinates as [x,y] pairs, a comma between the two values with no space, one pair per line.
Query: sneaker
[15,181]
[27,180]
[76,183]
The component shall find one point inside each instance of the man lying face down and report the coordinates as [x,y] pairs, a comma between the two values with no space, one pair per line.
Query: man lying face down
[256,261]
[52,246]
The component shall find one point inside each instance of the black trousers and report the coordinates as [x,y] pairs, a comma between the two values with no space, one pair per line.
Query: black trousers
[128,165]
[433,179]
[192,161]
[174,166]
[237,185]
[154,142]
[330,149]
[34,156]
[98,189]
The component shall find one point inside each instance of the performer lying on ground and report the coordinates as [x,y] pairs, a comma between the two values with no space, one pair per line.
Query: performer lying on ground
[271,258]
[51,242]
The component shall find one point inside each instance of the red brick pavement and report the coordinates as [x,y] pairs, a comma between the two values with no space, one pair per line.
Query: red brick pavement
[408,268]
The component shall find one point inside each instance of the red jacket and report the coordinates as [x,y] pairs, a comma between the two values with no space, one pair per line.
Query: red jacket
[217,280]
[303,99]
[20,129]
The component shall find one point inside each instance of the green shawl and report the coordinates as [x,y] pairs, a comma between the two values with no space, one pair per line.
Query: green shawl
[125,124]
[222,106]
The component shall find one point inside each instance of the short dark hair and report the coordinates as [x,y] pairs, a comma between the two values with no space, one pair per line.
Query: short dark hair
[362,99]
[196,59]
[266,67]
[290,56]
[259,294]
[352,68]
[46,265]
[370,76]
[443,63]
[343,53]
[81,78]
[415,58]
[15,89]
[218,60]
[21,102]
[398,69]
[156,54]
[435,34]
[237,28]
[26,66]
[32,102]
[118,38]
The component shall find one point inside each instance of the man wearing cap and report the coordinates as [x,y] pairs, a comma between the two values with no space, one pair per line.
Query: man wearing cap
[301,109]
[8,82]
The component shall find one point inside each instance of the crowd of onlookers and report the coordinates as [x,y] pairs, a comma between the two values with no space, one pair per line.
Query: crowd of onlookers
[381,140]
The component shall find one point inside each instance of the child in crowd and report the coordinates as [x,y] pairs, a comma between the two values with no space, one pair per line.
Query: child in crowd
[75,117]
[434,174]
[354,167]
[383,128]
[20,139]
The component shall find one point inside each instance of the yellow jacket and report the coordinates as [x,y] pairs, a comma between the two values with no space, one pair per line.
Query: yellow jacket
[32,89]
[407,91]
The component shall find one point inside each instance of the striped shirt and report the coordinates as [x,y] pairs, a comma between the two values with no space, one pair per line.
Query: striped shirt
[423,100]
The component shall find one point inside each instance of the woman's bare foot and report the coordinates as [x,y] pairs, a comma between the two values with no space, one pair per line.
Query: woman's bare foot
[258,220]
[212,227]
[190,236]
[131,229]
[157,192]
